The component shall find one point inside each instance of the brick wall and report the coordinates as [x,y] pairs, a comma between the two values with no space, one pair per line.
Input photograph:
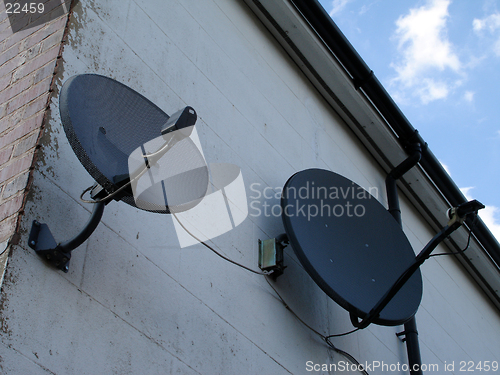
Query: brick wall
[28,62]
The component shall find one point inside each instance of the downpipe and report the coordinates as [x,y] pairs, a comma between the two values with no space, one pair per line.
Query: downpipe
[410,327]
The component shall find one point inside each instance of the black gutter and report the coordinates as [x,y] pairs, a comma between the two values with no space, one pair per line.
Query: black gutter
[363,77]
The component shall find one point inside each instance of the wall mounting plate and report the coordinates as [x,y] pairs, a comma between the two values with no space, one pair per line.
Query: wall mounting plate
[42,241]
[271,255]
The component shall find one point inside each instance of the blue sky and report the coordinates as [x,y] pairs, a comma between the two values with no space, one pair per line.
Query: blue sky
[439,60]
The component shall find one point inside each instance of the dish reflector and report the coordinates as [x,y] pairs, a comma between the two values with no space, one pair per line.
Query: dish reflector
[349,244]
[106,121]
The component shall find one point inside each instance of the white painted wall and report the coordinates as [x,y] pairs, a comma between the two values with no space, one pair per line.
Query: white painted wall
[133,301]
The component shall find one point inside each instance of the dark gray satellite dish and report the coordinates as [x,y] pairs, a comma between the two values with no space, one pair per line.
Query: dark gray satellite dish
[353,248]
[105,122]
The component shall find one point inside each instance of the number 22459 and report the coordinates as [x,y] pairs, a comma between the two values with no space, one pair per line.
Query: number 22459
[15,8]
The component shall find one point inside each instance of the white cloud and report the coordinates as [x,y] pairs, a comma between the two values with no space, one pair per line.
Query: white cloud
[445,167]
[338,6]
[366,7]
[425,50]
[469,96]
[430,89]
[465,191]
[491,24]
[491,217]
[490,214]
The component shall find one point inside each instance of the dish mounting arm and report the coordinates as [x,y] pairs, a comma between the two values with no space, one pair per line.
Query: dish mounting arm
[457,216]
[42,241]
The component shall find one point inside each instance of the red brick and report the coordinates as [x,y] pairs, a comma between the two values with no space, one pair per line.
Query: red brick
[11,39]
[11,206]
[44,72]
[20,131]
[25,145]
[11,121]
[53,40]
[13,168]
[4,34]
[48,21]
[4,24]
[36,63]
[7,228]
[37,35]
[4,126]
[5,155]
[3,108]
[16,89]
[35,106]
[5,81]
[4,16]
[36,38]
[30,94]
[10,53]
[49,29]
[58,23]
[12,64]
[16,185]
[30,53]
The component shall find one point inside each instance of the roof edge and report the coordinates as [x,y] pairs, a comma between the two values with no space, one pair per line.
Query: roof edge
[295,24]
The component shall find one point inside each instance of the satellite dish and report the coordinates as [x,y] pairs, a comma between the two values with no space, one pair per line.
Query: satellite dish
[123,139]
[106,122]
[350,245]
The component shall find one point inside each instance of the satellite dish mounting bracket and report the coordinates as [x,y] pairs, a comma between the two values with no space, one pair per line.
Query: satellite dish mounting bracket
[105,122]
[42,241]
[457,216]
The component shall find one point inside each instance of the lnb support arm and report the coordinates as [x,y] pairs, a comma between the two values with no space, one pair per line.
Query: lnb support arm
[457,216]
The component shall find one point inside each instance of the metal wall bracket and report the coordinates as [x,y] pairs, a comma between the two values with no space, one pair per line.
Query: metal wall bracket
[42,241]
[405,333]
[271,255]
[401,336]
